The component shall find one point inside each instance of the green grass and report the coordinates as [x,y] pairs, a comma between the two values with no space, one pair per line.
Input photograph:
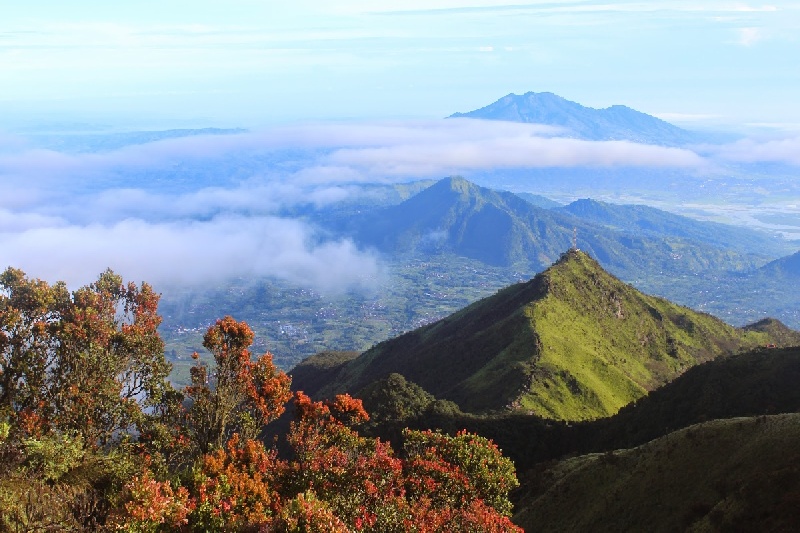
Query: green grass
[739,474]
[604,344]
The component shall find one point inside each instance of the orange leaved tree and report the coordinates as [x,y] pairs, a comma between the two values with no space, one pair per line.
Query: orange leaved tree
[84,399]
[89,362]
[238,395]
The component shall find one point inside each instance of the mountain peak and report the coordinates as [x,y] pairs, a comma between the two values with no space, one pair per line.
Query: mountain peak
[455,183]
[574,261]
[617,122]
[455,215]
[573,343]
[575,255]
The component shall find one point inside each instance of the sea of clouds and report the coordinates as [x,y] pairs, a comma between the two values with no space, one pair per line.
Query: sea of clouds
[138,209]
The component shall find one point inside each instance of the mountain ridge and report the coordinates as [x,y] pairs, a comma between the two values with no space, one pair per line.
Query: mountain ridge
[647,220]
[738,474]
[573,343]
[786,267]
[617,122]
[501,228]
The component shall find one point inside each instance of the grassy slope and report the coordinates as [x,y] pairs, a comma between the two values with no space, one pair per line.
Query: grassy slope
[738,474]
[574,343]
[442,355]
[604,344]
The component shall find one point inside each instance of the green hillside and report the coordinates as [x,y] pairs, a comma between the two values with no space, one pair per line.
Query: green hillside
[739,474]
[762,381]
[316,371]
[573,343]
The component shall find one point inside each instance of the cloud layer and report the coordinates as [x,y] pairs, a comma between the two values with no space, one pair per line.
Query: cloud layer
[189,253]
[200,209]
[785,151]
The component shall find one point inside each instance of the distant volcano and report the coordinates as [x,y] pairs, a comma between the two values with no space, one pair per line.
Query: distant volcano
[614,123]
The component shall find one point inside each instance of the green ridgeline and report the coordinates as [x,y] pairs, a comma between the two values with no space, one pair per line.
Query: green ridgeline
[574,343]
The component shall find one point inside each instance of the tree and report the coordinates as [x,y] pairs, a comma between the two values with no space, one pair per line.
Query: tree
[92,436]
[90,362]
[30,317]
[82,374]
[360,478]
[239,395]
[457,470]
[395,399]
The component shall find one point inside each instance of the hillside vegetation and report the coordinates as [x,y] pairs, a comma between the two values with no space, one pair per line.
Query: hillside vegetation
[760,382]
[574,343]
[94,438]
[740,474]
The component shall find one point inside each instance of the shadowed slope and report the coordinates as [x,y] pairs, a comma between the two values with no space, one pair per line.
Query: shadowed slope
[738,474]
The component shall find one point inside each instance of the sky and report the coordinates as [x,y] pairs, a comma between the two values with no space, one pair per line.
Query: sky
[256,63]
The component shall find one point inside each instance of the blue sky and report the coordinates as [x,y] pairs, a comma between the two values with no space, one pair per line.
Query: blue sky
[258,62]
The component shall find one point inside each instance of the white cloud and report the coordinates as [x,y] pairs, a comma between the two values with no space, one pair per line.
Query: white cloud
[688,117]
[323,156]
[12,222]
[189,253]
[507,152]
[750,151]
[254,198]
[49,165]
[752,9]
[749,36]
[558,6]
[11,143]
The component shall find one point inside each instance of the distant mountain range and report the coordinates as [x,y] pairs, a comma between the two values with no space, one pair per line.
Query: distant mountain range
[613,123]
[502,229]
[573,343]
[649,221]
